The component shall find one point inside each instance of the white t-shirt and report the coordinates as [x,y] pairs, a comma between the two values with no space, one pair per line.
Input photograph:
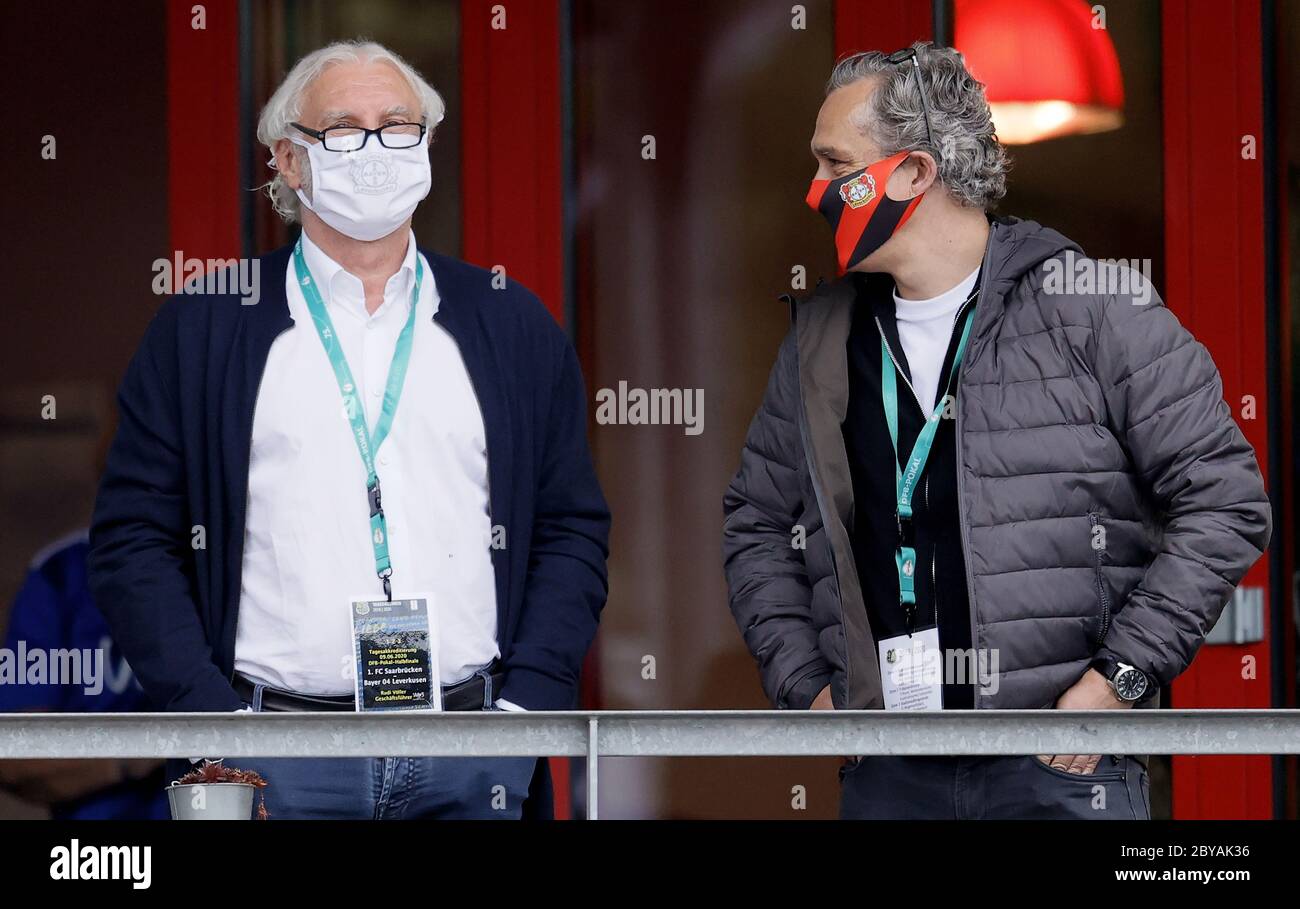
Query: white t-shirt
[925,328]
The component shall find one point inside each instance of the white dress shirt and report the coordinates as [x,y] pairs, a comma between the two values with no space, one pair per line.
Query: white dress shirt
[925,329]
[307,549]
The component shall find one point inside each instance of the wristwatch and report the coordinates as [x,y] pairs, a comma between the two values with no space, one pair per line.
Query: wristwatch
[1129,683]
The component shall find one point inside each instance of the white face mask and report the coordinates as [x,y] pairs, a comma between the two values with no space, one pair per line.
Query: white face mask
[369,193]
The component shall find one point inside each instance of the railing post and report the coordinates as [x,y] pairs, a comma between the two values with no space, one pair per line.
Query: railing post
[593,758]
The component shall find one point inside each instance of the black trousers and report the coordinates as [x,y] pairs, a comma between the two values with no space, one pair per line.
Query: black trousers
[991,788]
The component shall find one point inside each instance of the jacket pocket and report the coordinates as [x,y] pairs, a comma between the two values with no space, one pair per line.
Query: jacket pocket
[1097,542]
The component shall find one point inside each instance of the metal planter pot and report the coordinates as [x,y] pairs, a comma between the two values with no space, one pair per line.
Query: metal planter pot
[217,801]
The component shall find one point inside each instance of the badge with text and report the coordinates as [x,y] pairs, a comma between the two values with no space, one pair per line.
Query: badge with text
[396,649]
[911,671]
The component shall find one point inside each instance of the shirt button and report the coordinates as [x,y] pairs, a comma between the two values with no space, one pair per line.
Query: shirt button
[375,392]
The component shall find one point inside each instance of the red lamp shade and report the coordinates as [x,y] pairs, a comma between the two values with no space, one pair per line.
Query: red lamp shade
[1047,71]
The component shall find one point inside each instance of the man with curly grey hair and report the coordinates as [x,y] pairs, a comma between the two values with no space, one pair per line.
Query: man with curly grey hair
[987,472]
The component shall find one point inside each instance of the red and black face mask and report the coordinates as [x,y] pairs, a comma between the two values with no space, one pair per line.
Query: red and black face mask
[859,210]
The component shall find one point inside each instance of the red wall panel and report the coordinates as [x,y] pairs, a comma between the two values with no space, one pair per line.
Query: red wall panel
[511,172]
[1286,103]
[512,175]
[885,25]
[1214,240]
[203,128]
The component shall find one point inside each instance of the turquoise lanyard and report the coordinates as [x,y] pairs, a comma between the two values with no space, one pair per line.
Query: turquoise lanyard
[367,443]
[906,480]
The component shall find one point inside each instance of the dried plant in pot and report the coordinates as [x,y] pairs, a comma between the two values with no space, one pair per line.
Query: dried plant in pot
[214,792]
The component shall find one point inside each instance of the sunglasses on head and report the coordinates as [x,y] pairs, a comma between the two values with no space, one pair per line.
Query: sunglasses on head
[901,57]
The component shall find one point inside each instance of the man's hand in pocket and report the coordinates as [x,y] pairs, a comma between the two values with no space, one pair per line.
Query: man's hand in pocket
[1091,692]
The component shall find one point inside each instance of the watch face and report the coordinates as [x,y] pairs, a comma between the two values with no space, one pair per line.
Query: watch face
[1130,684]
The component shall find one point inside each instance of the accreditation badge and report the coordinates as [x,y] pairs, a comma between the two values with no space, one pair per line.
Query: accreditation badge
[396,648]
[911,671]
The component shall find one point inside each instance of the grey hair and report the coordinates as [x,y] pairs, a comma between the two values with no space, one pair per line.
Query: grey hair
[285,106]
[972,163]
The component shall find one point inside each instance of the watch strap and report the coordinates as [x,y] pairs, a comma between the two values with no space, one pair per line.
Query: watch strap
[1108,666]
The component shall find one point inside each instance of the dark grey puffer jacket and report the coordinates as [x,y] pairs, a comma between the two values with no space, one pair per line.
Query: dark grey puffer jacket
[1075,411]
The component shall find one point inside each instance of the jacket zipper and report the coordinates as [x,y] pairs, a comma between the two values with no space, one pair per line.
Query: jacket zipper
[898,369]
[934,557]
[934,550]
[915,397]
[805,435]
[1101,586]
[961,486]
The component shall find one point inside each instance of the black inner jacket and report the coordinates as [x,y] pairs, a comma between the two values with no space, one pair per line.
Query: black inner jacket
[941,567]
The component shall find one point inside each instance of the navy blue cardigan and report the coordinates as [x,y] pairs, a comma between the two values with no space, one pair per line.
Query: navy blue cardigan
[168,530]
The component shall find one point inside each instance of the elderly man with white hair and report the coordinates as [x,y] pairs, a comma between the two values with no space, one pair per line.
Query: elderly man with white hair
[269,515]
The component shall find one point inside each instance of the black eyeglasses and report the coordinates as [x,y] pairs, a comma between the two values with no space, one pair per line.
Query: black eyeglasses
[354,138]
[902,56]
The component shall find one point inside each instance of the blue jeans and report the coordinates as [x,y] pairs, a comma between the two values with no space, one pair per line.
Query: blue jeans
[428,788]
[393,788]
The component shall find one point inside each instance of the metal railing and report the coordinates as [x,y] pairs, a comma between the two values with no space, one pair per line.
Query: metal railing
[606,733]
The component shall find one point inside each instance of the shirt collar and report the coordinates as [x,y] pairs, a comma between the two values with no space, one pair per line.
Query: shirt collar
[342,289]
